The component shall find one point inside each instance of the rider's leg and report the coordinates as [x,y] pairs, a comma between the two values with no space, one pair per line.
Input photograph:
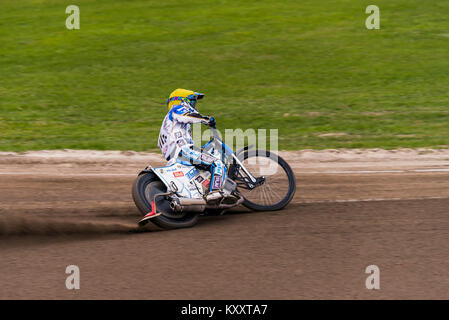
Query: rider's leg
[206,162]
[218,171]
[195,157]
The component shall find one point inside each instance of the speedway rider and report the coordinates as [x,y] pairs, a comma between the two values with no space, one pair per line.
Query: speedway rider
[176,143]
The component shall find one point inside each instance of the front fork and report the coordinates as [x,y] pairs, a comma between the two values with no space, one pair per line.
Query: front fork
[249,180]
[240,164]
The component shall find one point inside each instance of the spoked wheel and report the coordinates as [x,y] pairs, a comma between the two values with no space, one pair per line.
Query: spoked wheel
[276,189]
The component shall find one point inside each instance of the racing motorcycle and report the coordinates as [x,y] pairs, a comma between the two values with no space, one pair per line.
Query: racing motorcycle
[174,196]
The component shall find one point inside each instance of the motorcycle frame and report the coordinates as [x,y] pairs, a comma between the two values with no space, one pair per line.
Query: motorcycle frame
[228,156]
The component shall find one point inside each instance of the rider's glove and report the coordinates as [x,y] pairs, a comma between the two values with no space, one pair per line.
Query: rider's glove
[212,122]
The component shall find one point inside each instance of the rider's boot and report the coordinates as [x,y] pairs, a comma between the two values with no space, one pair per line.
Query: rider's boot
[221,196]
[214,195]
[220,193]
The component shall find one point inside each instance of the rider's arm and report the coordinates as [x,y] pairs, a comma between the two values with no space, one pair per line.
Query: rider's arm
[187,115]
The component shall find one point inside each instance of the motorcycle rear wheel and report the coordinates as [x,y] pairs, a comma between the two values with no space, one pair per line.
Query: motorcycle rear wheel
[145,187]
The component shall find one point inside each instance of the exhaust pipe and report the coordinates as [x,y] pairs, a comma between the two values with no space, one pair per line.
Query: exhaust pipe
[188,204]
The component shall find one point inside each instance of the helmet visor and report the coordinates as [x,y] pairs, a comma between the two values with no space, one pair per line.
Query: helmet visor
[193,99]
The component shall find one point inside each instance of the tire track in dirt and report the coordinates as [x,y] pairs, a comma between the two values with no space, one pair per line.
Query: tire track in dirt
[22,225]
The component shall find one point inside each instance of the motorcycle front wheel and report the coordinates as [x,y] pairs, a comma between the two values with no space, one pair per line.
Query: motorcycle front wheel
[279,186]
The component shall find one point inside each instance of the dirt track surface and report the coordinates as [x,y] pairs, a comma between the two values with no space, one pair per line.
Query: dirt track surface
[350,210]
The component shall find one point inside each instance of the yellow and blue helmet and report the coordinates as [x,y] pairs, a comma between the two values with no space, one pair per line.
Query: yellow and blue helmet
[188,96]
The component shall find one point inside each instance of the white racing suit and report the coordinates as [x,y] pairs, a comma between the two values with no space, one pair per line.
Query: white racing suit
[176,143]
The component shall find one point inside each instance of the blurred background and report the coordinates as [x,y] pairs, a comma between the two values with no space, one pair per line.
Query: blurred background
[309,68]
